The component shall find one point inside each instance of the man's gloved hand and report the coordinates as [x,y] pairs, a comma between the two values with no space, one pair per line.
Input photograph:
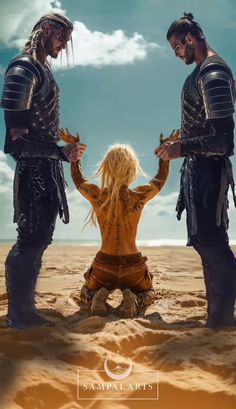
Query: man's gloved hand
[75,149]
[170,146]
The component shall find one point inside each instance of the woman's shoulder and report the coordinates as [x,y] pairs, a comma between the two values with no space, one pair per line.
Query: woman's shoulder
[142,189]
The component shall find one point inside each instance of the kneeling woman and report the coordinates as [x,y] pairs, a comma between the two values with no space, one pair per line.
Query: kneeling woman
[117,209]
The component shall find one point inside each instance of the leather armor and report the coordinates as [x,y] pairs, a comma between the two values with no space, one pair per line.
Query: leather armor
[30,88]
[21,79]
[29,85]
[206,143]
[207,110]
[208,93]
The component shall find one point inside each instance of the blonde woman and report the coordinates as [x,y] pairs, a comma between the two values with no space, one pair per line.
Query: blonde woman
[117,210]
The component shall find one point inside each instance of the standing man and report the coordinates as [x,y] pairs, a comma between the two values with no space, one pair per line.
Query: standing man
[31,102]
[206,143]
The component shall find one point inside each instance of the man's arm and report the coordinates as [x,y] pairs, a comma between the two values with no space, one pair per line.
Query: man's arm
[218,141]
[22,79]
[217,88]
[26,148]
[17,124]
[216,85]
[22,146]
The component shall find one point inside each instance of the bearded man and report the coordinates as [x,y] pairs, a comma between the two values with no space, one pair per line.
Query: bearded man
[206,143]
[31,105]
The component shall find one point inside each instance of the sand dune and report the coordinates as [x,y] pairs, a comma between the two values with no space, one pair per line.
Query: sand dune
[195,367]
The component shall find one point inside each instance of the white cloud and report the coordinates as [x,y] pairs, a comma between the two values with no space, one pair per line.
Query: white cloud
[159,221]
[7,228]
[75,198]
[92,48]
[231,202]
[79,208]
[6,175]
[18,17]
[164,205]
[98,49]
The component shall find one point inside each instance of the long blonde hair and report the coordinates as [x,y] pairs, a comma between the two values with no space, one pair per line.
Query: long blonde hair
[119,167]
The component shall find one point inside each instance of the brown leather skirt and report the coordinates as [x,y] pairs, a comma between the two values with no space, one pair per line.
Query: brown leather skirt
[119,272]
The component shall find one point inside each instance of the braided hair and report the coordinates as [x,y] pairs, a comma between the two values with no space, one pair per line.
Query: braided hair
[34,40]
[185,24]
[57,22]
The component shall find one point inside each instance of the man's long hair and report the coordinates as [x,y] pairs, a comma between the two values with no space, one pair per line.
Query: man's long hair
[119,167]
[35,40]
[185,24]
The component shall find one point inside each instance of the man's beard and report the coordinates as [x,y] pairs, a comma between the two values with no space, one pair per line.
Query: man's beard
[49,48]
[189,55]
[52,53]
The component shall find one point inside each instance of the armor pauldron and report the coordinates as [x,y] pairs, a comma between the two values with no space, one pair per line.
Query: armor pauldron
[217,89]
[21,79]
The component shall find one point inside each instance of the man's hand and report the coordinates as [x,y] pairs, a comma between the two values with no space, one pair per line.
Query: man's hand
[16,133]
[169,150]
[174,136]
[170,146]
[74,151]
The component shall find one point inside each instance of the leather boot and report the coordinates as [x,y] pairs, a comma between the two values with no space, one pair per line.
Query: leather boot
[20,283]
[219,267]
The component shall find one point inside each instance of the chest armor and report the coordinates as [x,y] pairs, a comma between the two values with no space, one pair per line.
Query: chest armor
[193,114]
[44,118]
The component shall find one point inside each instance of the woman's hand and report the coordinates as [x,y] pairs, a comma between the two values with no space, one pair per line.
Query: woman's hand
[67,137]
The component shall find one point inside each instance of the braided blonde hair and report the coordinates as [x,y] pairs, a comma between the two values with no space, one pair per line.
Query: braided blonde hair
[33,42]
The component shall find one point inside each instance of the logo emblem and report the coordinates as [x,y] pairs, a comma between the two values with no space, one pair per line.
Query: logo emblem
[117,372]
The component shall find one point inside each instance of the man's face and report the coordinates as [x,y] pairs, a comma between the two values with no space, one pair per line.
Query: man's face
[57,41]
[183,49]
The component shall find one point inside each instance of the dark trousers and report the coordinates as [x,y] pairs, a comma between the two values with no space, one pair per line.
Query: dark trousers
[35,230]
[219,268]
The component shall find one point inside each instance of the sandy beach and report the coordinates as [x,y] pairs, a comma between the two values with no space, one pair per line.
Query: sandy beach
[174,357]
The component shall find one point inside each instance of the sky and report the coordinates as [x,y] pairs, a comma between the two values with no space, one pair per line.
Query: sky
[123,85]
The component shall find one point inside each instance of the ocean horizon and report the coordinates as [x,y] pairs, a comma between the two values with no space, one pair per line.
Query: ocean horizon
[91,242]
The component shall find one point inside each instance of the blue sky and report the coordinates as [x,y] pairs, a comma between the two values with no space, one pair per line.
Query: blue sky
[123,86]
